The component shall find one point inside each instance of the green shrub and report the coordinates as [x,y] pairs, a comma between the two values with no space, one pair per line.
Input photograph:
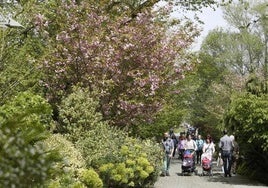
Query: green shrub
[91,179]
[72,158]
[103,145]
[70,184]
[78,113]
[23,125]
[247,117]
[133,168]
[78,185]
[100,144]
[72,162]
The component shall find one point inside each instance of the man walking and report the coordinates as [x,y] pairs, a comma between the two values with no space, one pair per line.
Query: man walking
[168,146]
[226,146]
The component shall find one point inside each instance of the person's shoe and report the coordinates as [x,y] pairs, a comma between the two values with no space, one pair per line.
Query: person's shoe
[225,175]
[167,174]
[230,175]
[163,174]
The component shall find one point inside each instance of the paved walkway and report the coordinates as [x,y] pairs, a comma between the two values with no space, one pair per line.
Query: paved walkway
[176,180]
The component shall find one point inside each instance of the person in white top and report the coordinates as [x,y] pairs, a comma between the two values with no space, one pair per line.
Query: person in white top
[208,148]
[190,145]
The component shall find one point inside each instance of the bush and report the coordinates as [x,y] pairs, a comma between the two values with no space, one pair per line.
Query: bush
[78,113]
[72,162]
[23,125]
[103,146]
[72,158]
[132,168]
[247,117]
[100,143]
[71,171]
[91,179]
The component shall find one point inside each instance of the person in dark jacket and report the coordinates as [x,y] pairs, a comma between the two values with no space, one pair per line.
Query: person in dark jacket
[175,142]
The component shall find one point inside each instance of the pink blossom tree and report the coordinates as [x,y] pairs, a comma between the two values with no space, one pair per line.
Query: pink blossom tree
[131,61]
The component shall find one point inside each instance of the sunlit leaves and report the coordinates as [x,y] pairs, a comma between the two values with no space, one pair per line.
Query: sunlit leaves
[24,122]
[248,115]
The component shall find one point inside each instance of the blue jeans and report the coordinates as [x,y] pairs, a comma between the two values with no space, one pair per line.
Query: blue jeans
[166,163]
[227,161]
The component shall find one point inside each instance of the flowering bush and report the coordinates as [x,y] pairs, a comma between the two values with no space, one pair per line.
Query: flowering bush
[133,168]
[91,178]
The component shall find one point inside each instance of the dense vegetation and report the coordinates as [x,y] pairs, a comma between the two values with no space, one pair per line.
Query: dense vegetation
[89,87]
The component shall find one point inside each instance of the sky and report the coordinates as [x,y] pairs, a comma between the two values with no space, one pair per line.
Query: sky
[212,19]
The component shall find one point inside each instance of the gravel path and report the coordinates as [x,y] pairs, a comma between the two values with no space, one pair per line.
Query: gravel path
[176,180]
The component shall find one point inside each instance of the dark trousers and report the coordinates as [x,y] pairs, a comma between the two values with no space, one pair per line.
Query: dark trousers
[181,151]
[174,151]
[198,156]
[227,161]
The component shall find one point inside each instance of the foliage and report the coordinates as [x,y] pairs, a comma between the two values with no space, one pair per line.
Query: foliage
[23,124]
[200,98]
[229,58]
[20,53]
[248,45]
[30,112]
[67,170]
[78,111]
[91,135]
[91,178]
[132,168]
[247,118]
[169,117]
[248,114]
[100,143]
[72,159]
[256,85]
[21,163]
[101,56]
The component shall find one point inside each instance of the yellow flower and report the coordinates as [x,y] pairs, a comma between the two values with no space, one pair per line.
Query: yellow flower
[124,150]
[130,162]
[143,174]
[117,177]
[131,184]
[149,169]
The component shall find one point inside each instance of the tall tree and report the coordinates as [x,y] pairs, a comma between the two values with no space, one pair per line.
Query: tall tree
[249,20]
[55,32]
[233,56]
[130,63]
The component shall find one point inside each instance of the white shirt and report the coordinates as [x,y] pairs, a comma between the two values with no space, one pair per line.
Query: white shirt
[209,148]
[190,144]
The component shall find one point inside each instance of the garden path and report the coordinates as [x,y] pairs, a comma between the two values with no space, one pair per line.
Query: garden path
[176,180]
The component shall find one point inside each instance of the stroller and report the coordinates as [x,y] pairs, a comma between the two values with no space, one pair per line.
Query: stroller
[188,165]
[206,165]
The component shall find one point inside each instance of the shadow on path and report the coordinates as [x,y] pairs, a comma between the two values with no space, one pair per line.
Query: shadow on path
[234,180]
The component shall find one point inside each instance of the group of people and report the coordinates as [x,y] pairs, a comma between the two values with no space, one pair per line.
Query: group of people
[199,148]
